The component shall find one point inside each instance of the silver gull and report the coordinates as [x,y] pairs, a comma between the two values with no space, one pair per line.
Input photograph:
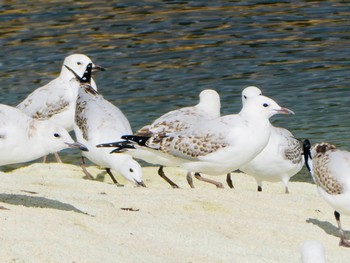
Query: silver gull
[24,139]
[282,157]
[97,120]
[207,108]
[330,168]
[56,100]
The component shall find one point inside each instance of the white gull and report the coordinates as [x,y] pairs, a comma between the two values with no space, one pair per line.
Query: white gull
[24,139]
[217,146]
[330,169]
[282,157]
[97,120]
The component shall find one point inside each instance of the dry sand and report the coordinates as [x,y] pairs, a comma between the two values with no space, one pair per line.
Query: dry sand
[50,214]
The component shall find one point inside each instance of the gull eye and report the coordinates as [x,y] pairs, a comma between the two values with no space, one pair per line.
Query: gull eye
[265,105]
[56,135]
[79,63]
[131,170]
[245,97]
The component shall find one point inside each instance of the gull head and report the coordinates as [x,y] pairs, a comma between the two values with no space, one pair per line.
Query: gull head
[54,138]
[320,149]
[209,102]
[131,170]
[78,64]
[261,106]
[250,92]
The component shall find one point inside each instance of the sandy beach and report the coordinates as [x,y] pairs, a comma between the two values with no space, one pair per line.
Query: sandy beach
[50,214]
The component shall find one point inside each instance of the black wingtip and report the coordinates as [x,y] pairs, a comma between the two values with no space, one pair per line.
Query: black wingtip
[121,146]
[140,140]
[307,153]
[86,78]
[307,145]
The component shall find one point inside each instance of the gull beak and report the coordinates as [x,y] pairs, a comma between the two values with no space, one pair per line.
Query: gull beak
[285,111]
[98,68]
[78,145]
[141,184]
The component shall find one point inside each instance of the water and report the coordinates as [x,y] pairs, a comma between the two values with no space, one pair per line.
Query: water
[161,54]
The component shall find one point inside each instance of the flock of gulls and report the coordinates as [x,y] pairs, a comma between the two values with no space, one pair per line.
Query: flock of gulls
[197,139]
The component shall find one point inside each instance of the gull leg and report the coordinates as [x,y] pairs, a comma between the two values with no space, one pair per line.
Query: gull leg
[189,179]
[343,241]
[259,188]
[200,178]
[286,190]
[162,174]
[229,181]
[82,165]
[45,159]
[108,170]
[58,159]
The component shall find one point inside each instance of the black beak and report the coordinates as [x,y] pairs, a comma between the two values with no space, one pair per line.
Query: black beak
[141,184]
[78,145]
[98,68]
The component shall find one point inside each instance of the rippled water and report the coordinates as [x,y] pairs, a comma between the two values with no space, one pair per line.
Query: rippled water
[161,54]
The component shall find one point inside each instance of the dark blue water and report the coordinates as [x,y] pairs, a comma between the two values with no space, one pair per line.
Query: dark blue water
[161,54]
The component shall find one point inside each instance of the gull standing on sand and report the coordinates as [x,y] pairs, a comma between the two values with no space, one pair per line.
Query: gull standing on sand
[281,158]
[207,108]
[330,170]
[56,100]
[216,146]
[24,139]
[97,120]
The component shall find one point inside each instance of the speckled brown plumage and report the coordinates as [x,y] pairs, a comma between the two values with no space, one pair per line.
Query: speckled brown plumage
[51,109]
[80,118]
[322,175]
[294,151]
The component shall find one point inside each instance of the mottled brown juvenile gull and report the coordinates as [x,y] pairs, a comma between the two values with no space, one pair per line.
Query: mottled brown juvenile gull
[56,100]
[97,120]
[330,170]
[207,108]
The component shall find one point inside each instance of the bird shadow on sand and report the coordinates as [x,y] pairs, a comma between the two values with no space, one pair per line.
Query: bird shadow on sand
[38,202]
[327,227]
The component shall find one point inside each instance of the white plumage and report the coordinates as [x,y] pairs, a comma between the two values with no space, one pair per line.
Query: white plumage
[280,159]
[96,121]
[24,139]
